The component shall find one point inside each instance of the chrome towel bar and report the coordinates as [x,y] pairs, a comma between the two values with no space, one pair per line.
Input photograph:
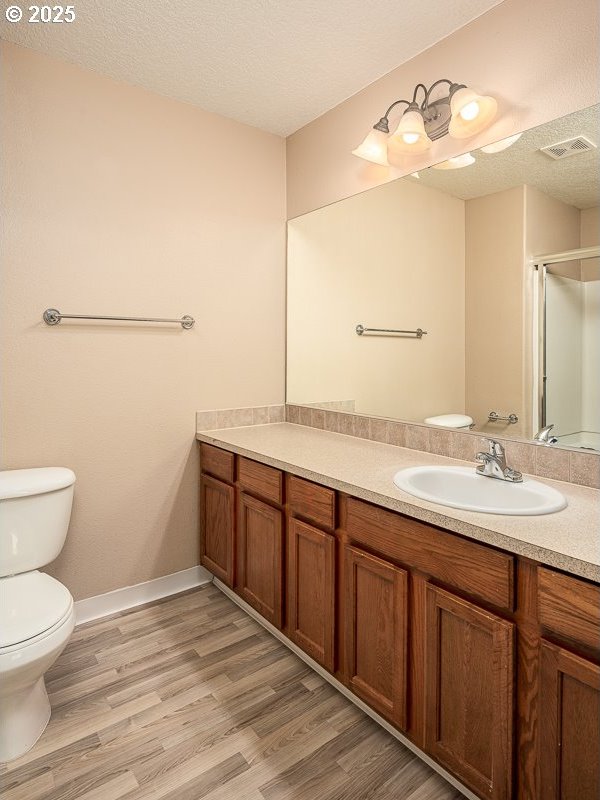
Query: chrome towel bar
[418,334]
[52,316]
[493,416]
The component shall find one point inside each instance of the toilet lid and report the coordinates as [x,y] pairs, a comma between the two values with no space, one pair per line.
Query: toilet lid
[450,420]
[24,482]
[30,604]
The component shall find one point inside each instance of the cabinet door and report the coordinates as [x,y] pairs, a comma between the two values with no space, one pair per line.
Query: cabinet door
[259,557]
[311,591]
[469,693]
[375,632]
[569,726]
[217,528]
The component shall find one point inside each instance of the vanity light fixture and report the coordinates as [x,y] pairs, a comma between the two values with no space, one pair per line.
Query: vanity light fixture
[461,112]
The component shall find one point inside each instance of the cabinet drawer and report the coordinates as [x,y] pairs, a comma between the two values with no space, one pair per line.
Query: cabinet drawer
[216,462]
[312,501]
[472,568]
[261,480]
[569,607]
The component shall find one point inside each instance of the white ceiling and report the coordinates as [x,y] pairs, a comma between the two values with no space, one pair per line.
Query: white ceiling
[274,64]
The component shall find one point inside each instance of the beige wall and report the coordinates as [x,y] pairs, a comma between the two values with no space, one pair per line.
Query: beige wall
[590,226]
[389,258]
[590,236]
[119,201]
[539,62]
[494,329]
[552,227]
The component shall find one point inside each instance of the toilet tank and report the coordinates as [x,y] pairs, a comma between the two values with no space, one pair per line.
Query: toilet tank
[35,509]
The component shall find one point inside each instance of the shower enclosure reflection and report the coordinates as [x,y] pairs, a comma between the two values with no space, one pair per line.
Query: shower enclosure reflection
[571,352]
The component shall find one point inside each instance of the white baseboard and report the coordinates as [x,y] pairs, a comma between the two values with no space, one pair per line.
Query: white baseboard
[130,596]
[344,690]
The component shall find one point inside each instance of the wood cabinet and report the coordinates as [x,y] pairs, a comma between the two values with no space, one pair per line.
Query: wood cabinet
[311,591]
[469,692]
[487,661]
[311,501]
[481,572]
[569,608]
[569,726]
[218,463]
[260,557]
[217,544]
[376,595]
[261,480]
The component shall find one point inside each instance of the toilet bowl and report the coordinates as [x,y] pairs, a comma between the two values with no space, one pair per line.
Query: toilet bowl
[461,422]
[36,611]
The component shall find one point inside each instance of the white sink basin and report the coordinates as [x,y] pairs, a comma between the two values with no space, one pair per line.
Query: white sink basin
[461,487]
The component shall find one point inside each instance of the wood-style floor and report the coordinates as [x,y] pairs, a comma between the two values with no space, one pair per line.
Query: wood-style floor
[190,698]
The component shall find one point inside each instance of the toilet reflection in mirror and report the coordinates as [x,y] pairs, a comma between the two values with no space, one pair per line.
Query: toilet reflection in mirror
[497,261]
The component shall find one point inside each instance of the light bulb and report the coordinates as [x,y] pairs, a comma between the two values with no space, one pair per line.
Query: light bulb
[470,111]
[410,138]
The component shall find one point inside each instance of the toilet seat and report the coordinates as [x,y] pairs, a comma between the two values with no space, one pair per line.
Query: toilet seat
[33,605]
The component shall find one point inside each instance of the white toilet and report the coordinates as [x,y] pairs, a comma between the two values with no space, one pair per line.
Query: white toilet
[460,422]
[36,611]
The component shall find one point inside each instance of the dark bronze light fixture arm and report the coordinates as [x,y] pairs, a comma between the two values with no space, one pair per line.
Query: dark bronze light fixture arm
[417,87]
[384,122]
[413,105]
[453,86]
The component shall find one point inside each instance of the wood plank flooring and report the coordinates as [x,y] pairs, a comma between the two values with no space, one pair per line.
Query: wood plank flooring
[189,699]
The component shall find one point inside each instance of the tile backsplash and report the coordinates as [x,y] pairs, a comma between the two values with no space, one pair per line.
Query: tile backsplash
[219,418]
[547,462]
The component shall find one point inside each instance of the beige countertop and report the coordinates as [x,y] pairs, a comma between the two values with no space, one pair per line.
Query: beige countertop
[568,539]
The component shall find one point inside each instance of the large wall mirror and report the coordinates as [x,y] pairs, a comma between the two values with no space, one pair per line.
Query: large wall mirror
[477,286]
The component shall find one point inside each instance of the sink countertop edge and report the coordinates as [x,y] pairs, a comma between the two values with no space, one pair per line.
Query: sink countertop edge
[252,443]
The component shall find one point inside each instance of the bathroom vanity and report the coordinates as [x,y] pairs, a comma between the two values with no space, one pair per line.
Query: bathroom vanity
[476,642]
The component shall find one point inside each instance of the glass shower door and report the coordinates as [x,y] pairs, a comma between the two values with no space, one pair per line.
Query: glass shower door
[571,356]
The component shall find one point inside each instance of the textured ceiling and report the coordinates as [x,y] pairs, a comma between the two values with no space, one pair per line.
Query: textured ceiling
[274,64]
[574,180]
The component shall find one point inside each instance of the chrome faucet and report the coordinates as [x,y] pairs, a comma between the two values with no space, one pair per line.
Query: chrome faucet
[544,436]
[493,464]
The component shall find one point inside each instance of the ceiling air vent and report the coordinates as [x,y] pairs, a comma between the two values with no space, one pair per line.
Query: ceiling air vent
[570,147]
